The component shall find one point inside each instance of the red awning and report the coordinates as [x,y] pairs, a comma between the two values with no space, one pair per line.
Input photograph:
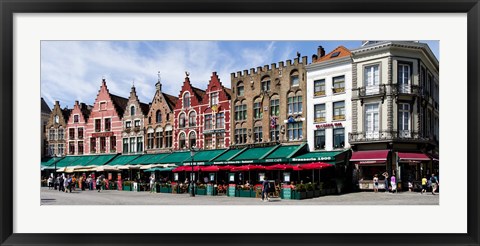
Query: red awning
[247,168]
[412,157]
[279,167]
[187,169]
[370,156]
[315,165]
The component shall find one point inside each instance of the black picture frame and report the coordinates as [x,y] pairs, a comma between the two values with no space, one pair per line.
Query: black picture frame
[9,7]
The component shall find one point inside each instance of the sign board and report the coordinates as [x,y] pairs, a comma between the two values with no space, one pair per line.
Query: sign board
[329,125]
[287,192]
[102,134]
[261,176]
[175,176]
[231,190]
[209,190]
[286,177]
[231,177]
[212,176]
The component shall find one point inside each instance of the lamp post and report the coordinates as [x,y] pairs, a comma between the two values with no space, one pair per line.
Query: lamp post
[192,153]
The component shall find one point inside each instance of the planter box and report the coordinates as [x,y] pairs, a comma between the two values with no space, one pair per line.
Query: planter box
[165,189]
[127,187]
[300,195]
[244,193]
[202,192]
[309,193]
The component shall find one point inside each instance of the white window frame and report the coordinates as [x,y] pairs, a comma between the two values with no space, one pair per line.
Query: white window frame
[373,133]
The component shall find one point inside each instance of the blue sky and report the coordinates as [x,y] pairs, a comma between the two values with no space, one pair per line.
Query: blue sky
[73,70]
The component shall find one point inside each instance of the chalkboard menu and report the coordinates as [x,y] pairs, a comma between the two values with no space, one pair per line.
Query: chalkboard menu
[287,193]
[231,190]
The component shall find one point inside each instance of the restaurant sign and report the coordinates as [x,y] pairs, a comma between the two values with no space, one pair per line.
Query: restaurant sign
[287,192]
[102,134]
[322,158]
[329,125]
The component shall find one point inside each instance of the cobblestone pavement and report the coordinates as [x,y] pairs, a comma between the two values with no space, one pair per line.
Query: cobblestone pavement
[112,197]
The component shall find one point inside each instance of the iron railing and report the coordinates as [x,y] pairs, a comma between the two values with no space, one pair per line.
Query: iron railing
[385,136]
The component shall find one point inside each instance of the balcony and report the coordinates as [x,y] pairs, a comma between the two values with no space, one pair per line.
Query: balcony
[370,91]
[406,90]
[381,136]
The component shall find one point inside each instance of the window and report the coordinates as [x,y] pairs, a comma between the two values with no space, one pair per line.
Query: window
[181,141]
[51,149]
[103,145]
[128,124]
[274,132]
[51,134]
[258,136]
[103,106]
[274,107]
[158,139]
[181,120]
[240,90]
[372,120]
[98,124]
[158,116]
[57,119]
[113,144]
[213,98]
[139,144]
[338,138]
[294,104]
[220,118]
[75,119]
[192,119]
[149,140]
[241,112]
[339,110]
[71,148]
[208,122]
[168,117]
[108,124]
[320,113]
[257,110]
[208,141]
[60,134]
[220,140]
[319,87]
[137,123]
[168,139]
[294,79]
[241,136]
[371,75]
[266,85]
[319,139]
[132,145]
[335,54]
[404,120]
[192,139]
[80,133]
[295,131]
[71,133]
[404,78]
[93,145]
[339,84]
[61,149]
[125,145]
[186,100]
[149,120]
[132,110]
[80,148]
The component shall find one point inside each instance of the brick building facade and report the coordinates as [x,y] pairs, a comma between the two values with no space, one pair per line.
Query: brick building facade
[56,130]
[133,135]
[45,116]
[76,127]
[268,104]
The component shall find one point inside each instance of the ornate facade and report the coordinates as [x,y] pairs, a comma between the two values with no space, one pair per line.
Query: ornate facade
[133,135]
[56,130]
[76,128]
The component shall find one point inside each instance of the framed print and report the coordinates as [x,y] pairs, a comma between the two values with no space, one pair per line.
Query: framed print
[411,68]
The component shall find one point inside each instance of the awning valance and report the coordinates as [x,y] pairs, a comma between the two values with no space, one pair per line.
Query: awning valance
[370,156]
[402,156]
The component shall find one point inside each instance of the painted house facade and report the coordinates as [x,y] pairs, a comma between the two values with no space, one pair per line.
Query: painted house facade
[76,129]
[104,125]
[133,136]
[56,131]
[45,117]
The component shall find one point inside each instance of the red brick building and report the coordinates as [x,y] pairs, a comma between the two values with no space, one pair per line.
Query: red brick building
[104,125]
[202,118]
[76,128]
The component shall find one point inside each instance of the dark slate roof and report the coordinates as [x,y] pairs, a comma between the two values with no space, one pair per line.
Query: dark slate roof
[229,92]
[120,104]
[45,107]
[85,109]
[171,100]
[145,108]
[199,93]
[66,113]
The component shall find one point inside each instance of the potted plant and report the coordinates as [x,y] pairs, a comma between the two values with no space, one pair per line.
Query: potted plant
[127,185]
[300,192]
[201,189]
[244,191]
[166,187]
[112,185]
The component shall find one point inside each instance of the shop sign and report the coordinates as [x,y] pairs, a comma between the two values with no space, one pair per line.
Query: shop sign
[286,177]
[329,125]
[102,134]
[287,192]
[231,190]
[323,158]
[231,177]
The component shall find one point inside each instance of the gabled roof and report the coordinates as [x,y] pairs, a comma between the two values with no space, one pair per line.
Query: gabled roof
[339,52]
[145,108]
[228,91]
[45,107]
[120,104]
[171,100]
[66,113]
[199,93]
[85,109]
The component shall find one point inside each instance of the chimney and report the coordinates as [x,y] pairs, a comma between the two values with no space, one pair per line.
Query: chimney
[76,102]
[320,51]
[57,103]
[314,58]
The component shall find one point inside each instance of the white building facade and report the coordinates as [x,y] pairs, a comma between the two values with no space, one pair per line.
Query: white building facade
[329,101]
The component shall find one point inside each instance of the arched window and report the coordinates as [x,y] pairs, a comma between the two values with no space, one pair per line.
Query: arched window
[158,116]
[57,119]
[240,89]
[181,120]
[295,103]
[294,80]
[257,108]
[132,110]
[192,118]
[266,83]
[192,139]
[186,100]
[181,141]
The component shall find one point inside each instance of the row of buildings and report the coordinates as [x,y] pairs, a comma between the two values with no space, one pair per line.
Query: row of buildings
[380,100]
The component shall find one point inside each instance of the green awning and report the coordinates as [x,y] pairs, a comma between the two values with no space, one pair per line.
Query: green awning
[143,159]
[207,155]
[123,160]
[283,152]
[176,157]
[100,160]
[49,162]
[160,169]
[67,161]
[227,155]
[83,160]
[156,158]
[327,156]
[253,153]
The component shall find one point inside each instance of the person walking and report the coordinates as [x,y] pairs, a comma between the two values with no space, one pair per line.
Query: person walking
[424,185]
[152,183]
[60,183]
[375,183]
[99,183]
[50,182]
[385,174]
[434,182]
[265,187]
[393,181]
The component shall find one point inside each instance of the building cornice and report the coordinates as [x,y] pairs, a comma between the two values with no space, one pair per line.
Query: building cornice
[330,63]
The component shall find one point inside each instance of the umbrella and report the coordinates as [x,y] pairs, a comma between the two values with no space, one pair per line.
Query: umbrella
[279,167]
[247,168]
[187,169]
[226,168]
[211,169]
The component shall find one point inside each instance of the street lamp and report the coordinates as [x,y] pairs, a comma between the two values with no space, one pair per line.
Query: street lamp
[192,153]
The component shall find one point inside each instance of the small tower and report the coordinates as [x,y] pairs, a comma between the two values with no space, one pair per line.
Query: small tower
[158,85]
